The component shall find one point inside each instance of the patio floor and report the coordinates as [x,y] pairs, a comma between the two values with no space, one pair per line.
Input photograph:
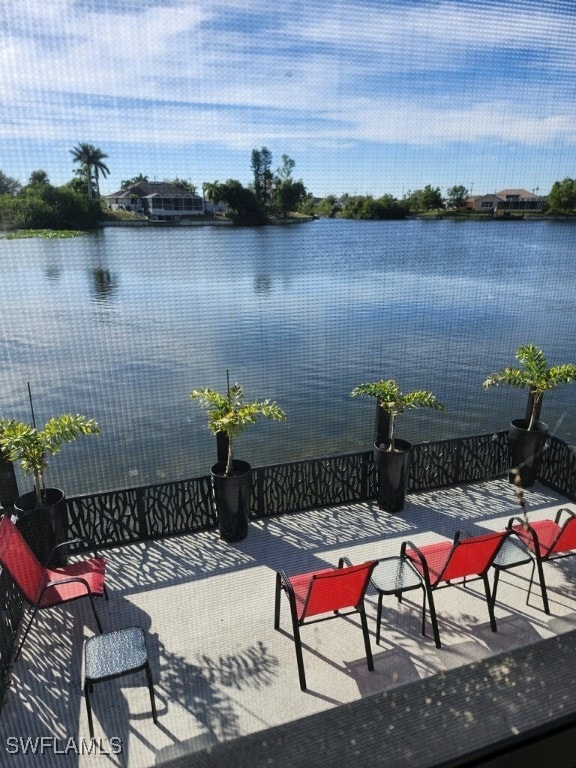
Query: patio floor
[221,671]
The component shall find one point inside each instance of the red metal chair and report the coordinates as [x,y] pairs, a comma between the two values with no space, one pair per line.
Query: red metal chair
[545,540]
[322,595]
[441,564]
[43,587]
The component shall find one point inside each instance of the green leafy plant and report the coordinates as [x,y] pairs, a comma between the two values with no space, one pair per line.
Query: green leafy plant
[24,443]
[230,413]
[394,402]
[535,376]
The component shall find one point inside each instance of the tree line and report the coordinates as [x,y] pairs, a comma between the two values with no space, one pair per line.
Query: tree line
[271,193]
[40,205]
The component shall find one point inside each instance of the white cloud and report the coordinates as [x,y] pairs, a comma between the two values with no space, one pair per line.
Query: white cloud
[242,73]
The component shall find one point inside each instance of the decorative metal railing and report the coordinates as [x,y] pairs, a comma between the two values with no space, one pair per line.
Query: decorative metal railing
[558,467]
[133,514]
[113,518]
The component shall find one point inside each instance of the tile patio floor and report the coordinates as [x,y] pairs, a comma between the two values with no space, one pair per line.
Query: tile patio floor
[221,671]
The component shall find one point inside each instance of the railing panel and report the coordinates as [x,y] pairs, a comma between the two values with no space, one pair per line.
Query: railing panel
[105,518]
[11,610]
[558,467]
[134,514]
[124,516]
[460,460]
[313,483]
[179,507]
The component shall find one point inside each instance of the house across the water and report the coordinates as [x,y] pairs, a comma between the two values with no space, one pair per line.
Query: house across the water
[518,200]
[158,200]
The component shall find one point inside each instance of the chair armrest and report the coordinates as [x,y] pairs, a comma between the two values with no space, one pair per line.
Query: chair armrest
[66,580]
[516,520]
[286,585]
[344,561]
[421,558]
[526,532]
[568,512]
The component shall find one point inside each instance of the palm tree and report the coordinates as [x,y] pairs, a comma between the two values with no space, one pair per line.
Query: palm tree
[91,157]
[210,190]
[30,446]
[231,415]
[535,376]
[130,182]
[394,402]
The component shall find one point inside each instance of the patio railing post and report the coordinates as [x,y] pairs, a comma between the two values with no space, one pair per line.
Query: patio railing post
[143,527]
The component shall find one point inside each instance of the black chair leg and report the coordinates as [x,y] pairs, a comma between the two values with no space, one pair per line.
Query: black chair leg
[379,618]
[495,585]
[366,634]
[489,600]
[25,635]
[433,617]
[299,657]
[87,689]
[95,613]
[151,689]
[538,564]
[423,628]
[277,601]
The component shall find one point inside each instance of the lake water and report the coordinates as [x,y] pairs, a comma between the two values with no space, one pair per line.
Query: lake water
[120,326]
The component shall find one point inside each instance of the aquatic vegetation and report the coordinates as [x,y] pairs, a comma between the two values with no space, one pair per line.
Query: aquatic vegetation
[50,234]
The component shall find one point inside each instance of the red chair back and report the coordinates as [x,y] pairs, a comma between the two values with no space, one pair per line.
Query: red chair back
[567,537]
[473,556]
[20,562]
[338,589]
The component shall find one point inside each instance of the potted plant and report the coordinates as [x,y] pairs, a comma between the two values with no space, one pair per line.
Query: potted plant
[527,436]
[230,415]
[41,512]
[391,455]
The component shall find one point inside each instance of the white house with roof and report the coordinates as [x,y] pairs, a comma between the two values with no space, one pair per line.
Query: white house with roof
[507,200]
[158,200]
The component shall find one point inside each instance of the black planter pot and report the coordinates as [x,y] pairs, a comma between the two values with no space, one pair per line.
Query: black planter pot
[392,468]
[44,527]
[525,449]
[232,499]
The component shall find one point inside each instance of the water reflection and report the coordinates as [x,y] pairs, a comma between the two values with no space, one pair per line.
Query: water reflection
[262,283]
[53,271]
[104,284]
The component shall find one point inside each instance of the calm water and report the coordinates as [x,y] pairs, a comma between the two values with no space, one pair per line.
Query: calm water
[122,324]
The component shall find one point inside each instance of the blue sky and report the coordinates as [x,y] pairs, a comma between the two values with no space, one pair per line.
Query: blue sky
[367,96]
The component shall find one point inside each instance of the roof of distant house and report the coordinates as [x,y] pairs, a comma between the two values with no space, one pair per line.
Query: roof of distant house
[523,194]
[146,188]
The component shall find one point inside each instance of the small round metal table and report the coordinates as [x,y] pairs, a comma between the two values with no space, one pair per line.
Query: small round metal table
[394,576]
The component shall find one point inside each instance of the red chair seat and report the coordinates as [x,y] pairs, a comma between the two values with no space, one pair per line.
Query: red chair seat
[91,571]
